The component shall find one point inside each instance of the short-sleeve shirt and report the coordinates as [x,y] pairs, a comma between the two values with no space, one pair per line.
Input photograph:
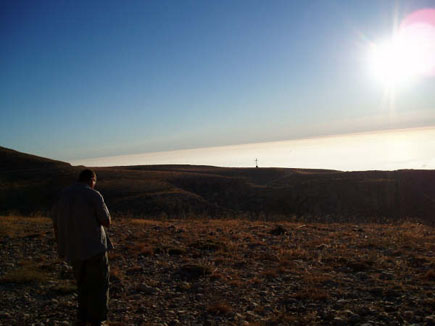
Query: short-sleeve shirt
[78,216]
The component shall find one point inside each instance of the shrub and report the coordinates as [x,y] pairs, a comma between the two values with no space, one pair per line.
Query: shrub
[193,271]
[26,273]
[220,308]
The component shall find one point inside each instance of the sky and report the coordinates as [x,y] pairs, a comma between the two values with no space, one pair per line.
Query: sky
[215,82]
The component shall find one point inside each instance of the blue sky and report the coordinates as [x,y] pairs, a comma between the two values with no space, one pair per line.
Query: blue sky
[84,79]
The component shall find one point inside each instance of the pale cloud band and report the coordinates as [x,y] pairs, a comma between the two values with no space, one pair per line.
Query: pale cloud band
[382,150]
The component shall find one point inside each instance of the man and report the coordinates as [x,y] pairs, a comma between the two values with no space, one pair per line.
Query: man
[78,219]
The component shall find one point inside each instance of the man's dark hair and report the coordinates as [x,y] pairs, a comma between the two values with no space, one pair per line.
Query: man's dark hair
[87,175]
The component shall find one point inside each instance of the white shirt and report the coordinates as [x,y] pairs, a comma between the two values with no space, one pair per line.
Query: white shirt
[77,217]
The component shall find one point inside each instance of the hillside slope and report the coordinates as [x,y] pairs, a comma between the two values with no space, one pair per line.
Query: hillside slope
[29,184]
[13,160]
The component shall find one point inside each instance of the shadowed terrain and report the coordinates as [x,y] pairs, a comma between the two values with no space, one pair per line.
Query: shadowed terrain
[229,272]
[176,268]
[29,184]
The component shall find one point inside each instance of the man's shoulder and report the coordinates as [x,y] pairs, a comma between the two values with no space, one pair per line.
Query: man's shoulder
[90,192]
[68,190]
[93,194]
[82,189]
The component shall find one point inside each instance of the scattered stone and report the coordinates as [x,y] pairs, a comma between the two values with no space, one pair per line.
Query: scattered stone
[322,246]
[278,230]
[224,265]
[376,291]
[338,321]
[145,289]
[4,315]
[193,271]
[209,245]
[430,320]
[176,251]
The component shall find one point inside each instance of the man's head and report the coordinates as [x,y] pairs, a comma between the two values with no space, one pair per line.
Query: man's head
[88,177]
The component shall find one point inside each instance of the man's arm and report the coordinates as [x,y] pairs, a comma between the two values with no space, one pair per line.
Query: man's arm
[53,216]
[103,215]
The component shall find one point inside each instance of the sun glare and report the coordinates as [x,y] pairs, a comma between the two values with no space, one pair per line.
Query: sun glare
[409,54]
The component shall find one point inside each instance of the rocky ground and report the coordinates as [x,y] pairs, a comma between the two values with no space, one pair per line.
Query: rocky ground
[208,272]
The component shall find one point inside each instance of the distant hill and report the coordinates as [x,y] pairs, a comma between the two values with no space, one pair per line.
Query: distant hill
[29,184]
[13,160]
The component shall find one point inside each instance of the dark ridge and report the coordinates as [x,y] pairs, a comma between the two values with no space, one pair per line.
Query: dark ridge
[29,184]
[13,160]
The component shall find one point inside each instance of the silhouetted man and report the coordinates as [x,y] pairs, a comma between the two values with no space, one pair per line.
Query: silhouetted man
[78,219]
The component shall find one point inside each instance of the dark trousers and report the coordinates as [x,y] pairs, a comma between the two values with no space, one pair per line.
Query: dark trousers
[92,276]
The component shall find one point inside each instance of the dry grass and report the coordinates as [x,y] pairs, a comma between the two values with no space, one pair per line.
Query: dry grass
[311,293]
[223,267]
[18,226]
[65,288]
[140,248]
[26,272]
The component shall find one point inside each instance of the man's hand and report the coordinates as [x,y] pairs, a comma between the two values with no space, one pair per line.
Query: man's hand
[107,222]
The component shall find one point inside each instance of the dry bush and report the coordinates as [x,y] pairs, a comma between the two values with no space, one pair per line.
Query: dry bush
[315,279]
[193,271]
[255,281]
[116,274]
[292,254]
[113,255]
[208,245]
[220,261]
[429,275]
[27,272]
[311,293]
[269,274]
[135,270]
[236,283]
[176,251]
[9,226]
[267,257]
[140,249]
[283,318]
[19,226]
[215,276]
[219,308]
[65,288]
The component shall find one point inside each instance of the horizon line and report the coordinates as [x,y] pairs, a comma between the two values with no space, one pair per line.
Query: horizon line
[243,152]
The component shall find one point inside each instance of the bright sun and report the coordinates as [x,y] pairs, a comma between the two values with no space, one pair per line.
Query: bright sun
[409,54]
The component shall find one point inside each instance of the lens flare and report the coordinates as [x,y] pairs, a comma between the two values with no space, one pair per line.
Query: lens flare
[409,54]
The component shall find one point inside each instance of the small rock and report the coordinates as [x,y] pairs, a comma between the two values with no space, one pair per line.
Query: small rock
[362,275]
[430,320]
[364,311]
[278,230]
[354,318]
[145,289]
[338,321]
[322,246]
[386,276]
[376,291]
[408,315]
[4,315]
